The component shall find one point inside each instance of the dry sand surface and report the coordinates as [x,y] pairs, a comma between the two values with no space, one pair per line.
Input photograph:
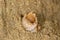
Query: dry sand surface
[48,16]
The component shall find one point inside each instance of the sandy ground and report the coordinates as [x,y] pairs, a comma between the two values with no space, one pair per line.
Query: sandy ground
[48,15]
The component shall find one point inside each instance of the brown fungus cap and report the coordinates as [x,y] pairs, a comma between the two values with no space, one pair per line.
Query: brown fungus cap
[31,17]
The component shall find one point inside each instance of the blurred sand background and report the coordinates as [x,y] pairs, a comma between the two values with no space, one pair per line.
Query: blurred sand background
[48,15]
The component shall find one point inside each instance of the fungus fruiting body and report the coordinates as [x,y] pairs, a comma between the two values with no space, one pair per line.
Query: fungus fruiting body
[29,22]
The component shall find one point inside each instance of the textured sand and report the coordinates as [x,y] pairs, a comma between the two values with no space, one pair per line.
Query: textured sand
[47,11]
